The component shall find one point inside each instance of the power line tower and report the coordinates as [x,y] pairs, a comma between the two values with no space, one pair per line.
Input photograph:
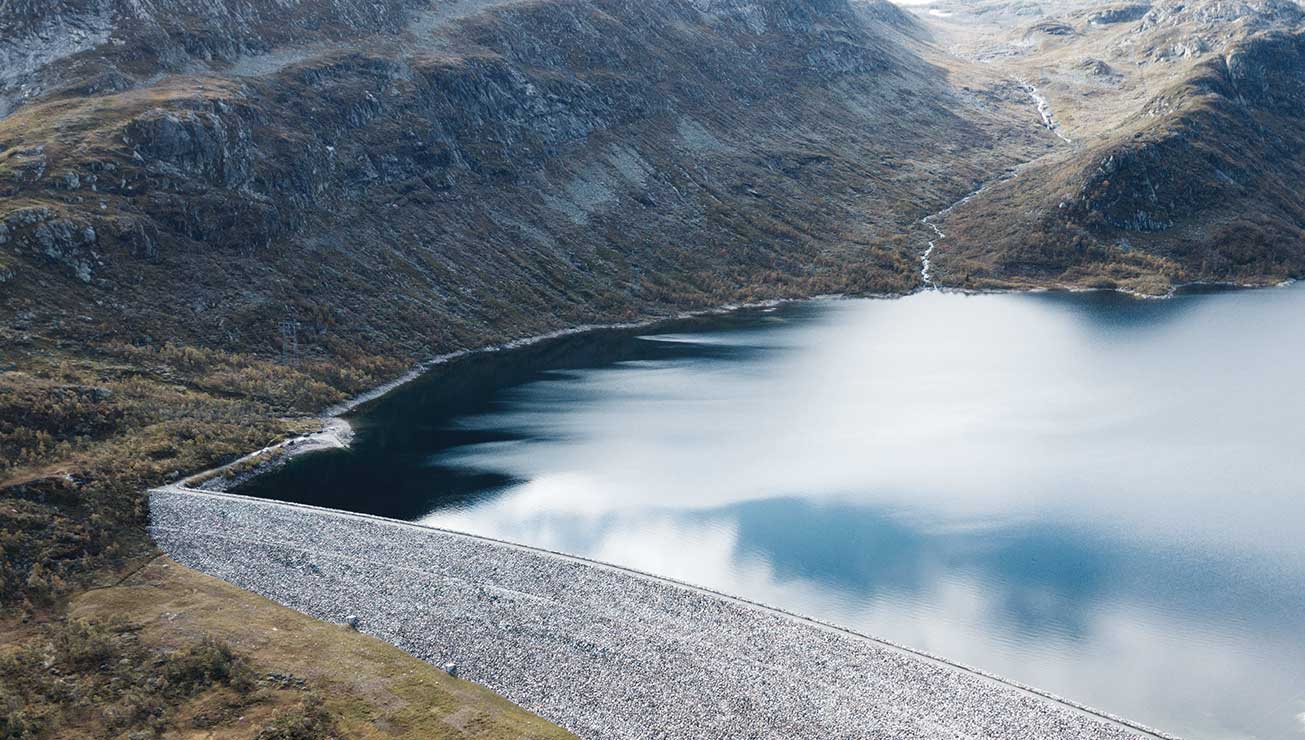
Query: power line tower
[289,341]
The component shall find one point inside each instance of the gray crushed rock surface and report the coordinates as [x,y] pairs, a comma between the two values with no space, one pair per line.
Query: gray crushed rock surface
[604,652]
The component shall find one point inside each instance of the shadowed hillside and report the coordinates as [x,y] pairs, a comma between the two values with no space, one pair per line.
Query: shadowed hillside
[528,166]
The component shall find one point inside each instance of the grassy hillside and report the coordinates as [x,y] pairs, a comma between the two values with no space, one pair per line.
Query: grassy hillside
[1206,192]
[169,651]
[1185,164]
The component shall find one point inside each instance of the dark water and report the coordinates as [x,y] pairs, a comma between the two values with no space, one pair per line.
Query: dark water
[1096,495]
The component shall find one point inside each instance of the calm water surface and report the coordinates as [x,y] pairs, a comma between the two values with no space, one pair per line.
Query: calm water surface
[1096,495]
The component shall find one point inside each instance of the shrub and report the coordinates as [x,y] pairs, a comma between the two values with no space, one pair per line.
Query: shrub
[75,674]
[206,664]
[312,722]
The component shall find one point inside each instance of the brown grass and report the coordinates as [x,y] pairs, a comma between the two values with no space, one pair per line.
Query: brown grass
[172,652]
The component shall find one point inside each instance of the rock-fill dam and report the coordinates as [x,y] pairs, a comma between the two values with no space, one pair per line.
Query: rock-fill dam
[603,651]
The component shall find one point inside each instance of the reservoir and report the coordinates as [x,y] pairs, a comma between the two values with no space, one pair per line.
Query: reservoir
[1096,495]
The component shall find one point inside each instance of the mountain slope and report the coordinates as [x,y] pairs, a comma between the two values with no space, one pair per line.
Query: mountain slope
[538,163]
[1198,182]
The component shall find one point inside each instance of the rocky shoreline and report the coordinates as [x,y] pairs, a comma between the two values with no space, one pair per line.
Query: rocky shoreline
[337,433]
[603,651]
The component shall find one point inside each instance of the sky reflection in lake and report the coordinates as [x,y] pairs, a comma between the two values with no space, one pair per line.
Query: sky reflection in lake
[1093,494]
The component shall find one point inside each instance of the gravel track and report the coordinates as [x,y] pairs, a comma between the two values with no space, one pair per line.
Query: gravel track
[602,651]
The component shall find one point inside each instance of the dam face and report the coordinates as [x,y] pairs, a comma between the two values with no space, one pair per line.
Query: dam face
[602,651]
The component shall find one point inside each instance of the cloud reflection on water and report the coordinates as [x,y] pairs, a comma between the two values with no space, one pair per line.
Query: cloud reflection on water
[1088,495]
[1081,616]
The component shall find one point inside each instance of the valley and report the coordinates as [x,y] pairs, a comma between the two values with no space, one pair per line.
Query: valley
[219,219]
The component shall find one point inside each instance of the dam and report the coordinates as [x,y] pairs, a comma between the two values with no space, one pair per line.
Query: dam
[604,651]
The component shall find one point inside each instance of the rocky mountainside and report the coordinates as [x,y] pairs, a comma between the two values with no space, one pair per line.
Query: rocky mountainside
[74,48]
[398,178]
[1186,161]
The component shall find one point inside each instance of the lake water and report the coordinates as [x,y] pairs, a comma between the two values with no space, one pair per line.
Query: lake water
[1100,496]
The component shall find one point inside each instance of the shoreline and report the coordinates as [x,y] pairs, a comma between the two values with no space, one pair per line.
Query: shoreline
[335,432]
[1174,290]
